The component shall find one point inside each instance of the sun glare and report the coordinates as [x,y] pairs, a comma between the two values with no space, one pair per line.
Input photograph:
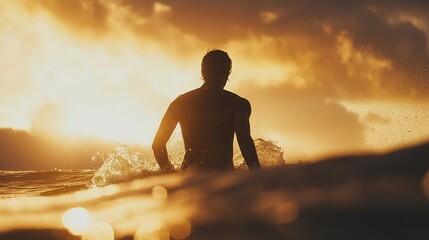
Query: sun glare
[116,88]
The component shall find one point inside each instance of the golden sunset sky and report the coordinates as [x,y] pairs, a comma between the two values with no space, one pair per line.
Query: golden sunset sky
[323,77]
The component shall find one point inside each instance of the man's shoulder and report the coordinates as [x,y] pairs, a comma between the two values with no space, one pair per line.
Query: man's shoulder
[239,99]
[187,95]
[240,104]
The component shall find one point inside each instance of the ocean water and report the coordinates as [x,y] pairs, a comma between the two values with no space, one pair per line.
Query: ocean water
[43,183]
[121,164]
[357,197]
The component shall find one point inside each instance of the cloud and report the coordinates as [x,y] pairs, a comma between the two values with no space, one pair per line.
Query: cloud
[83,16]
[313,28]
[374,117]
[307,120]
[402,43]
[296,27]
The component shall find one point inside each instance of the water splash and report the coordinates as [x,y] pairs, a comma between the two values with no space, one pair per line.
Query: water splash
[176,151]
[122,164]
[269,154]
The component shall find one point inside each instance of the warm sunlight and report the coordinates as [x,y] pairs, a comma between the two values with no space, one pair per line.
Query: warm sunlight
[113,90]
[111,75]
[166,119]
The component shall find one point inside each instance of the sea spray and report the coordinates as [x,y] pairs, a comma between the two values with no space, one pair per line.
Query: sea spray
[123,164]
[269,154]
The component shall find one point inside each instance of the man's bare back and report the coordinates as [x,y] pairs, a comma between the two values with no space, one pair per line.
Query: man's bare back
[208,116]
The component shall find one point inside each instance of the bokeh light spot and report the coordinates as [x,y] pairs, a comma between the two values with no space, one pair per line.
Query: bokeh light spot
[180,228]
[76,220]
[159,192]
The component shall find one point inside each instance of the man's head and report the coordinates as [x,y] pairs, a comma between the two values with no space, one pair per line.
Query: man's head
[216,67]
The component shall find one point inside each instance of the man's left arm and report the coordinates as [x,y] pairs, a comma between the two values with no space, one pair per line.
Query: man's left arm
[245,141]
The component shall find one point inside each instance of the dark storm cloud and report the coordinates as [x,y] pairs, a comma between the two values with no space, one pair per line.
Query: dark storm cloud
[379,28]
[367,22]
[402,43]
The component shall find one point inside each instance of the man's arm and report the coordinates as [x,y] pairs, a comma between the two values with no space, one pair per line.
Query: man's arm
[166,128]
[245,141]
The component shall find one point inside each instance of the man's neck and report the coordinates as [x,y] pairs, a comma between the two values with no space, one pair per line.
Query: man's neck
[211,86]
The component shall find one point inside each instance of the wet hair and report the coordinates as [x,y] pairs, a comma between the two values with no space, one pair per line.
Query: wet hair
[216,66]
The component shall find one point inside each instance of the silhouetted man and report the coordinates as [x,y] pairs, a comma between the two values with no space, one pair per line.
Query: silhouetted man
[208,116]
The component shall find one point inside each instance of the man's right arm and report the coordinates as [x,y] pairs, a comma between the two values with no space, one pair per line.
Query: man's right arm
[245,141]
[159,145]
